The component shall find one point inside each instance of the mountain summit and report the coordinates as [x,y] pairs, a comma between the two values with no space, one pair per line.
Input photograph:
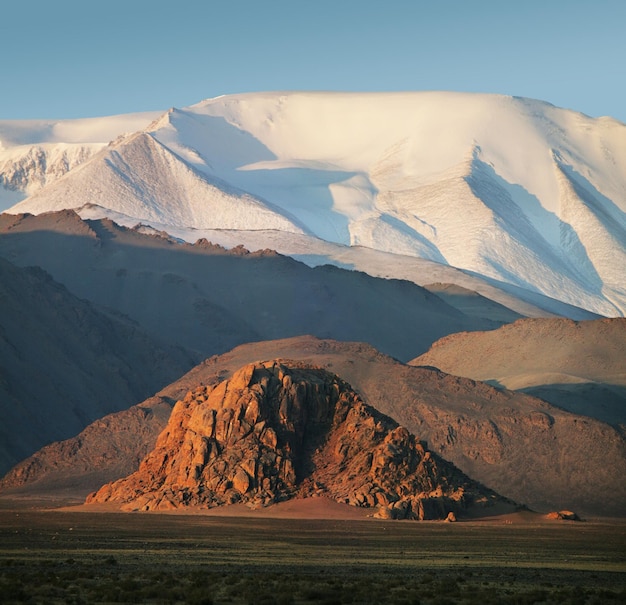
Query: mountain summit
[529,196]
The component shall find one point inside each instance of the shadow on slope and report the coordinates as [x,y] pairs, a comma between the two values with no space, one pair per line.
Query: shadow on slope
[472,303]
[606,402]
[538,299]
[578,366]
[534,227]
[209,300]
[64,363]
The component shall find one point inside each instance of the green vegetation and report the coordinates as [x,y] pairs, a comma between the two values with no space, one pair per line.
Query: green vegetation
[56,557]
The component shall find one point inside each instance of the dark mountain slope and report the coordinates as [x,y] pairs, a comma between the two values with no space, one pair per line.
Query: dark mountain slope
[63,364]
[208,299]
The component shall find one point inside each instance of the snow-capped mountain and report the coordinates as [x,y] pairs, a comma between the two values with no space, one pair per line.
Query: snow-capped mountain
[34,153]
[527,196]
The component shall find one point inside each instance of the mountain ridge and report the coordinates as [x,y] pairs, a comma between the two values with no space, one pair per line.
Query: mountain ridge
[430,175]
[207,301]
[65,362]
[34,153]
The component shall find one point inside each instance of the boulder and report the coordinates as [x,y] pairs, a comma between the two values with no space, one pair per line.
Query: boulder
[563,515]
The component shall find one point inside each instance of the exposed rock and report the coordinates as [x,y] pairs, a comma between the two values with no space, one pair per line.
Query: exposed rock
[39,165]
[205,244]
[274,431]
[563,515]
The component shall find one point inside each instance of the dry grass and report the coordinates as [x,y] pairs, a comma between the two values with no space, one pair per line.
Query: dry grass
[68,557]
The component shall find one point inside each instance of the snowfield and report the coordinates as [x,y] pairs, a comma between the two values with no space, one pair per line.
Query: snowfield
[524,198]
[34,153]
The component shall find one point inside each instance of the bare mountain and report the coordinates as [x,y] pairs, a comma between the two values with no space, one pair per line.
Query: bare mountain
[580,366]
[520,446]
[64,364]
[207,299]
[472,303]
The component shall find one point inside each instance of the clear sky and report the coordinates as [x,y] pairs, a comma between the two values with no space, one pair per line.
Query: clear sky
[77,58]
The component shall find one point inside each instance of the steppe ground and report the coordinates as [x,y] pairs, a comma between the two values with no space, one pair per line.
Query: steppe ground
[80,556]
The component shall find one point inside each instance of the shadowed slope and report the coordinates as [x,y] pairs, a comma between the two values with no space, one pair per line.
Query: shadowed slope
[209,300]
[64,364]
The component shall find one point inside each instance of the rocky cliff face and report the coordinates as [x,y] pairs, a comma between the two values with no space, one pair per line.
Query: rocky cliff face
[275,431]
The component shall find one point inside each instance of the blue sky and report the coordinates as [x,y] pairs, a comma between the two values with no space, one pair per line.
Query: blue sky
[71,58]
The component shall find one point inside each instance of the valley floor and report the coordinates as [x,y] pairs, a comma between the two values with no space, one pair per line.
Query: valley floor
[87,557]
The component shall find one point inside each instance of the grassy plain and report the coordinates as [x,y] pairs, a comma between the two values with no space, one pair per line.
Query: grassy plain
[81,557]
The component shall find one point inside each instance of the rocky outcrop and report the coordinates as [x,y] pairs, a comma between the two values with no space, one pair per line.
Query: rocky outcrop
[277,430]
[563,515]
[518,445]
